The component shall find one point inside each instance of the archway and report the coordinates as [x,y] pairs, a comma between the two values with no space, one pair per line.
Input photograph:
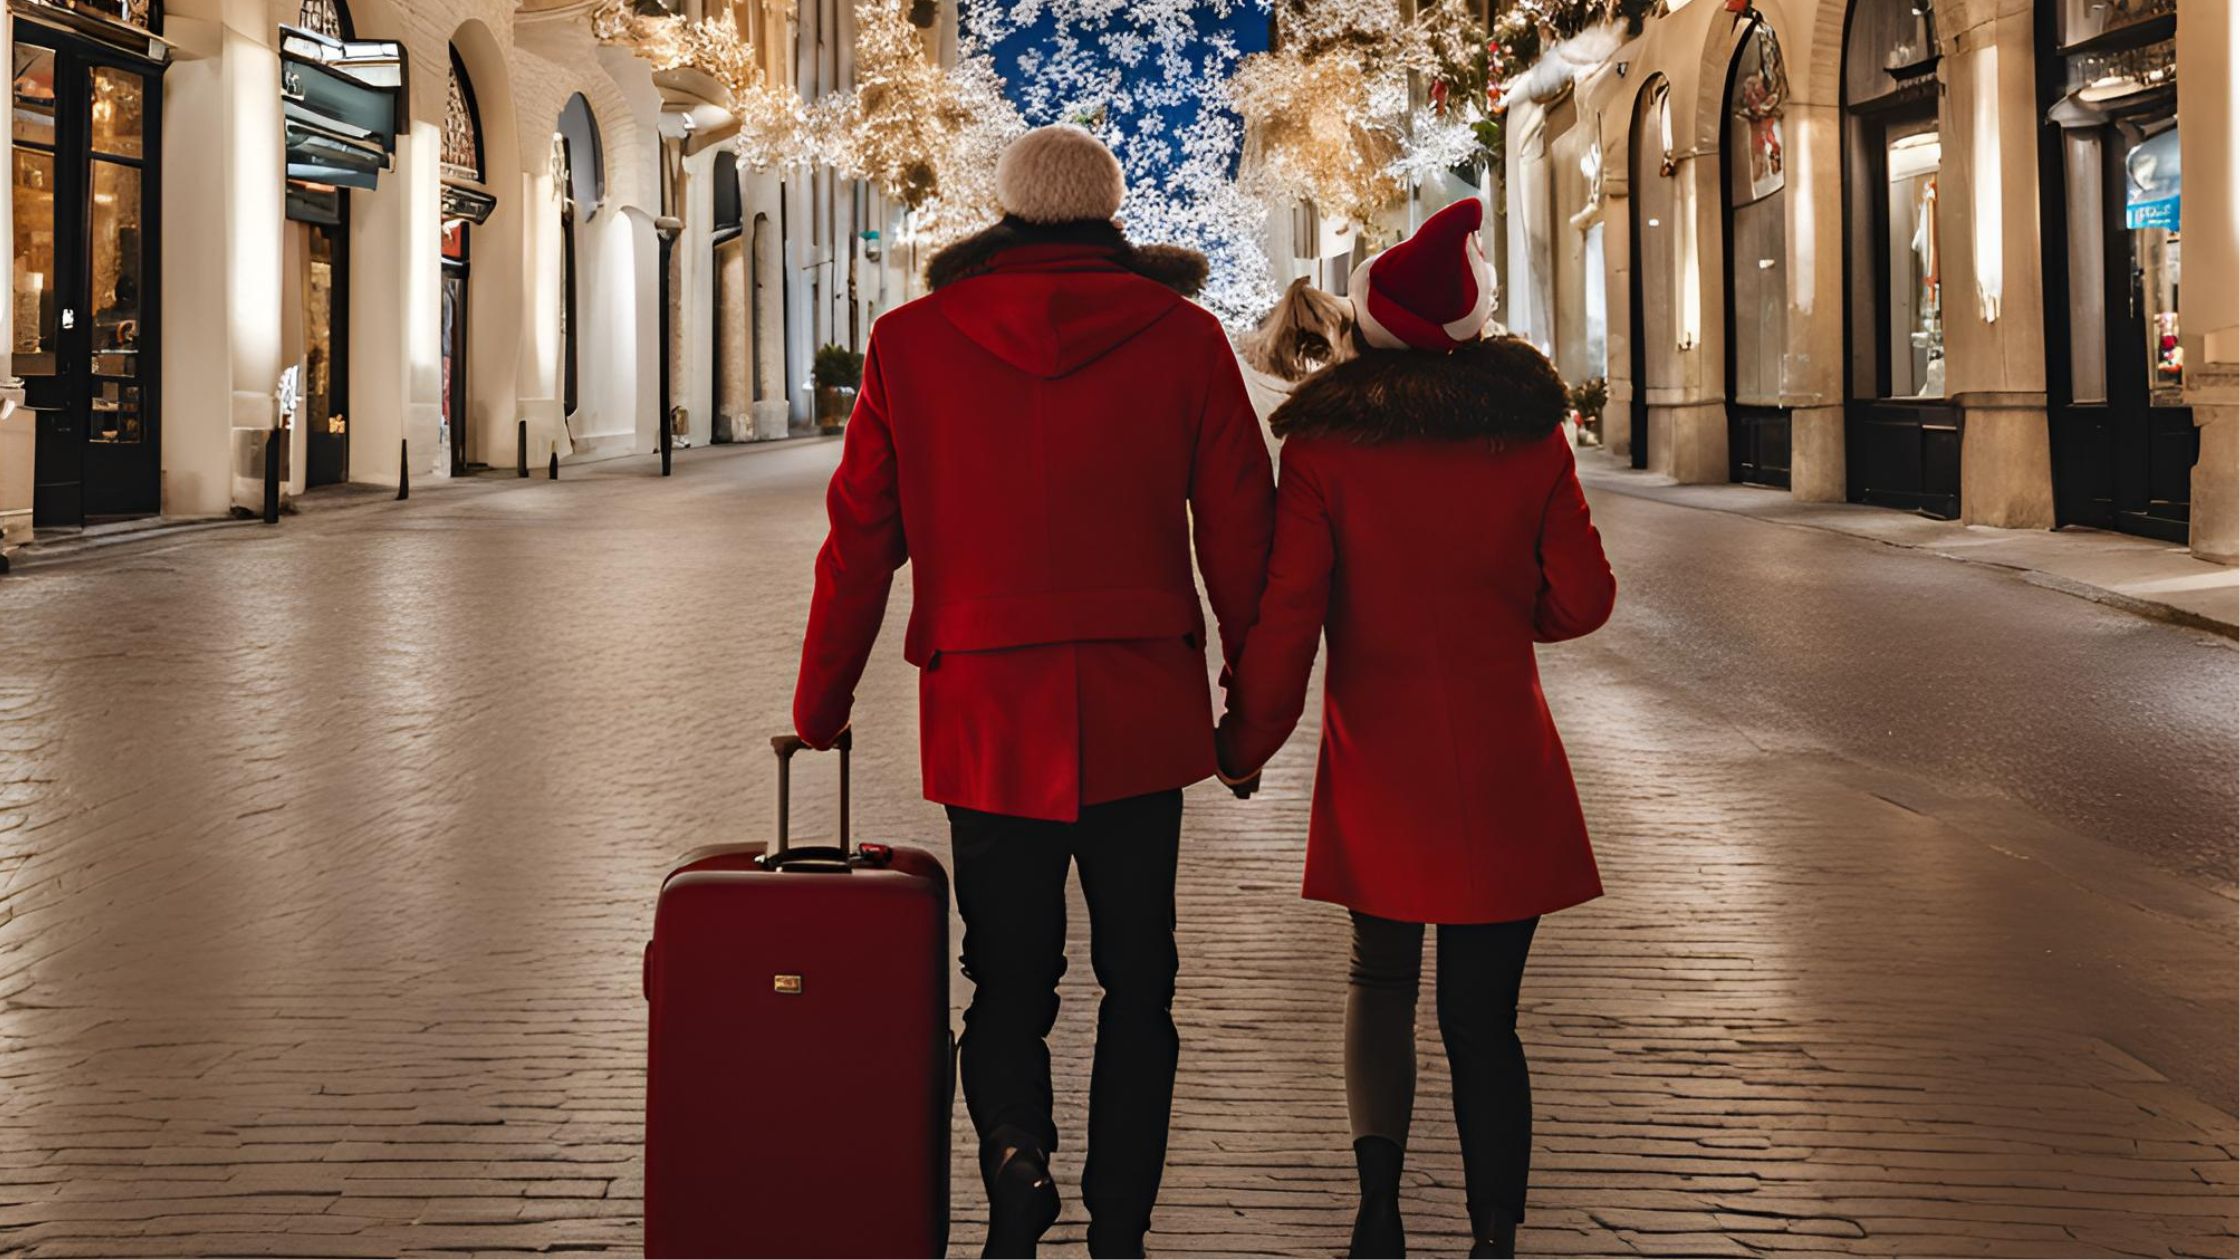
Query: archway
[324,166]
[1753,180]
[1650,201]
[465,204]
[581,175]
[481,266]
[1901,434]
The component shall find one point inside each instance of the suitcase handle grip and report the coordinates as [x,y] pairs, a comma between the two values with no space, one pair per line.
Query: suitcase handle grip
[786,746]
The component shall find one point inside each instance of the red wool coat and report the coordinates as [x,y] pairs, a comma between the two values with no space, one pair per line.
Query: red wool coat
[1042,438]
[1430,522]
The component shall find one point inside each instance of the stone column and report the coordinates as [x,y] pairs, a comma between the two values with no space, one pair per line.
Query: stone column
[1617,278]
[2209,321]
[1688,427]
[221,275]
[1812,365]
[1994,302]
[396,367]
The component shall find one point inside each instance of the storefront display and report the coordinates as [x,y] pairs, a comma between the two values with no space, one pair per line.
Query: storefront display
[1901,431]
[1756,170]
[2124,444]
[85,185]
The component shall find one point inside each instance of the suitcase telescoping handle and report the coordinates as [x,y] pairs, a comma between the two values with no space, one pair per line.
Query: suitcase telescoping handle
[783,852]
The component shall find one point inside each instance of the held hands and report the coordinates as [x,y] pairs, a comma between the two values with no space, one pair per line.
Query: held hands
[1243,785]
[1244,788]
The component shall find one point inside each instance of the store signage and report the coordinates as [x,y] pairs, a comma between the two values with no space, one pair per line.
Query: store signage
[2152,182]
[2159,213]
[342,103]
[460,204]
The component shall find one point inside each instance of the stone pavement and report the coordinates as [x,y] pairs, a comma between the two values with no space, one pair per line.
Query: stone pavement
[2158,579]
[326,853]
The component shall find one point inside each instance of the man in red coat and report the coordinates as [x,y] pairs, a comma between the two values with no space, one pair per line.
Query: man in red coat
[1043,438]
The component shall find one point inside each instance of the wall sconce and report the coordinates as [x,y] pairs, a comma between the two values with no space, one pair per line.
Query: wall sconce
[1624,66]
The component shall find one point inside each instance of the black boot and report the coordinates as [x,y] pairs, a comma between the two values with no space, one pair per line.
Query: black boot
[1493,1233]
[1376,1225]
[1022,1197]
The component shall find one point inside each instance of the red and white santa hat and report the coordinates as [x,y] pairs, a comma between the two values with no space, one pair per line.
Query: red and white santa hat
[1433,291]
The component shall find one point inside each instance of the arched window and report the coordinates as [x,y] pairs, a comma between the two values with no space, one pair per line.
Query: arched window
[330,18]
[587,158]
[462,128]
[579,174]
[1755,157]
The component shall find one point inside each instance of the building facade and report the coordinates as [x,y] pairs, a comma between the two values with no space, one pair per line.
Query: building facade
[402,239]
[1918,253]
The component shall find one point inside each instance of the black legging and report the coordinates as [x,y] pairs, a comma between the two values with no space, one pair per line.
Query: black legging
[1481,966]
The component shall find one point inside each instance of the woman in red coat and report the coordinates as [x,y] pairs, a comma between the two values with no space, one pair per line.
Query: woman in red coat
[1430,522]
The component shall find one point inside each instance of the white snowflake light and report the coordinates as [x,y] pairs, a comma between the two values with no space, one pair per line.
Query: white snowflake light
[1149,77]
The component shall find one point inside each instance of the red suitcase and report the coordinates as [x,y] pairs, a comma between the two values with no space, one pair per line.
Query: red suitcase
[799,1069]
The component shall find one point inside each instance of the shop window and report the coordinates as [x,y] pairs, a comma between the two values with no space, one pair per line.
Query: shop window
[2150,218]
[37,308]
[117,112]
[462,128]
[1914,281]
[2086,20]
[117,277]
[1757,177]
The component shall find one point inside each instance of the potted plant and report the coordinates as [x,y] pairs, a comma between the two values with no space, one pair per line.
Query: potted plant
[837,371]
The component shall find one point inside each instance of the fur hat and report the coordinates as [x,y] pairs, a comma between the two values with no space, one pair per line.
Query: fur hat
[1433,291]
[1059,174]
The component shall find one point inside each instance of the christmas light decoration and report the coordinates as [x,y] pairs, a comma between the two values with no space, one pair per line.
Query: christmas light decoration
[774,125]
[927,136]
[1331,108]
[1149,78]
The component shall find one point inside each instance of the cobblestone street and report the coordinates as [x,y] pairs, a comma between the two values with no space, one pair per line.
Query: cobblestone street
[327,852]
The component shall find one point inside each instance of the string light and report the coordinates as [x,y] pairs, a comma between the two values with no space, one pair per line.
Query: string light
[773,123]
[927,136]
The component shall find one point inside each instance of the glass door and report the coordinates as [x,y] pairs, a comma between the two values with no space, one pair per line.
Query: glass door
[84,272]
[2124,445]
[1754,171]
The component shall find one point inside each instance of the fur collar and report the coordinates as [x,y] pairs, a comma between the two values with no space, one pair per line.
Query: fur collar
[1500,388]
[1183,270]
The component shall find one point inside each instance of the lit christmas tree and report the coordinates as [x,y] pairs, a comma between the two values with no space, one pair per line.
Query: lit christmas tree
[1149,78]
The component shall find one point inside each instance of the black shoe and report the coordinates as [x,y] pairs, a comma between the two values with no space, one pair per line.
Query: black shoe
[1377,1231]
[1493,1233]
[1022,1200]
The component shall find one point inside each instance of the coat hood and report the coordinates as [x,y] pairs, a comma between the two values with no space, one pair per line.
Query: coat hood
[1050,300]
[1501,389]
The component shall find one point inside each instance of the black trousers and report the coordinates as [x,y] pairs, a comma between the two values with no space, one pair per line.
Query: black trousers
[1011,890]
[1481,970]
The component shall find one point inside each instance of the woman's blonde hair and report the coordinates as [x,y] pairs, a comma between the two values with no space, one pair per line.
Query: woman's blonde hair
[1307,331]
